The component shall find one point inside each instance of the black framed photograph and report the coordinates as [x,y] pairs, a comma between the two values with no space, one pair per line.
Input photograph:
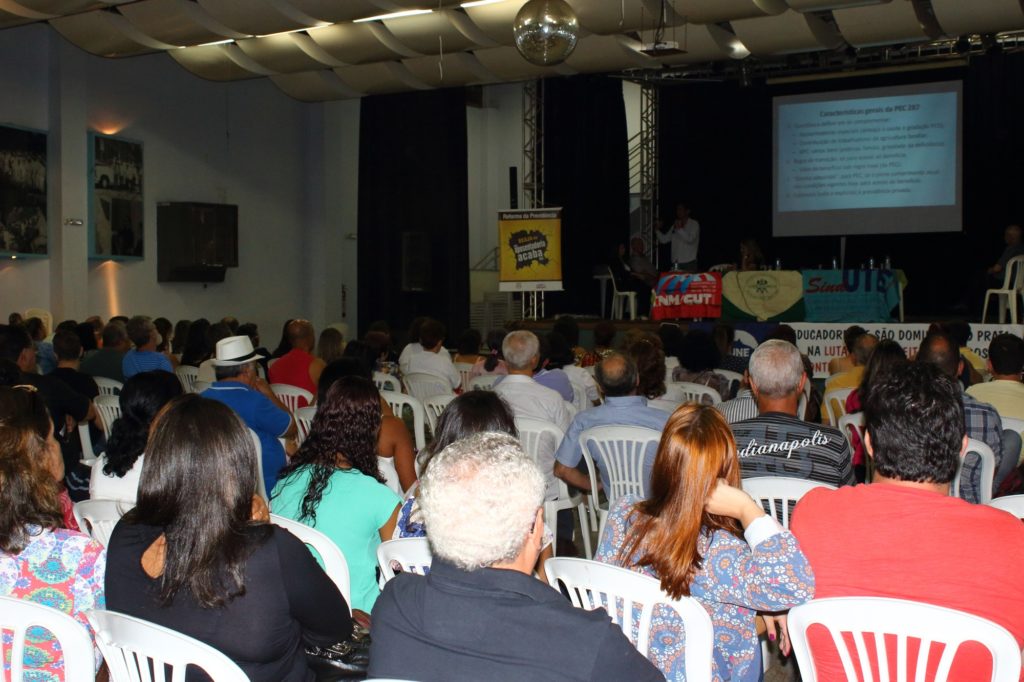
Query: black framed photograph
[23,230]
[116,225]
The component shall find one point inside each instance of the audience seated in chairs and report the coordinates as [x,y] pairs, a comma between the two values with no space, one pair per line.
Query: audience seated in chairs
[433,359]
[777,442]
[108,361]
[40,560]
[845,362]
[570,331]
[702,536]
[207,563]
[646,351]
[524,395]
[903,536]
[743,406]
[179,337]
[480,614]
[863,347]
[493,362]
[467,351]
[298,367]
[1005,392]
[560,356]
[333,482]
[887,354]
[547,375]
[330,346]
[698,359]
[413,345]
[144,357]
[116,474]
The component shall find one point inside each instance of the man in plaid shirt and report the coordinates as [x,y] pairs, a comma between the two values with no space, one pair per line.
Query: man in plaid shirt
[981,419]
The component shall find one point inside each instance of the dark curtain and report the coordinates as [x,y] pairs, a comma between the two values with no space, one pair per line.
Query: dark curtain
[586,171]
[716,154]
[413,216]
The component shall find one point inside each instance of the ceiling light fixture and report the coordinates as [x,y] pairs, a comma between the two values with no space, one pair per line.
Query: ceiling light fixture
[477,3]
[394,15]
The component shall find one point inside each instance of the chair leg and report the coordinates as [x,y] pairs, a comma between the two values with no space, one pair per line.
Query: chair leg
[984,308]
[585,529]
[632,307]
[1013,307]
[551,518]
[1002,309]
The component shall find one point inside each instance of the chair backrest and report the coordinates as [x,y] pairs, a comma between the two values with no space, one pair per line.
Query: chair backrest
[1011,424]
[434,407]
[1014,278]
[188,376]
[135,649]
[484,382]
[1010,503]
[410,555]
[387,382]
[303,421]
[848,619]
[852,423]
[778,494]
[18,615]
[109,407]
[85,438]
[579,396]
[735,379]
[988,470]
[422,385]
[398,402]
[621,451]
[669,406]
[261,485]
[335,565]
[108,386]
[291,395]
[689,392]
[626,594]
[539,437]
[615,286]
[98,517]
[464,369]
[834,404]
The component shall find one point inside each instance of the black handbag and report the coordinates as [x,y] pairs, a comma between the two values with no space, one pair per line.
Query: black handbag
[346,660]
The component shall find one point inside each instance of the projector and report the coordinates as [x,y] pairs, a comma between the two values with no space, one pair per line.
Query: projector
[662,48]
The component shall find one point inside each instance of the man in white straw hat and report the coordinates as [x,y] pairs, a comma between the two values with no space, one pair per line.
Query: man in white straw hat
[240,388]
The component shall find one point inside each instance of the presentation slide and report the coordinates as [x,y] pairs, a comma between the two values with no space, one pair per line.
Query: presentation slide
[868,161]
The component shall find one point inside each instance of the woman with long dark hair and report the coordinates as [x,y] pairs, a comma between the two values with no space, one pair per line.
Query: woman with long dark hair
[703,537]
[887,355]
[334,485]
[41,561]
[179,337]
[116,475]
[197,344]
[196,554]
[492,362]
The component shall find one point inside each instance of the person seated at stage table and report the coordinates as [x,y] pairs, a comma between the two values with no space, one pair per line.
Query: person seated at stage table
[639,265]
[626,281]
[645,349]
[845,363]
[903,536]
[298,367]
[684,234]
[493,362]
[751,256]
[697,361]
[863,347]
[777,442]
[1005,392]
[433,359]
[1014,248]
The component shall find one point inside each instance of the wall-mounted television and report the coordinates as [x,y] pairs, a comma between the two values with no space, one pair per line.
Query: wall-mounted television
[196,242]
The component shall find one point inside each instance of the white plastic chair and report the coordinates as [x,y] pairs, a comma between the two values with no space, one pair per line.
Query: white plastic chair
[399,401]
[464,368]
[291,395]
[411,554]
[85,438]
[622,451]
[97,518]
[907,620]
[622,592]
[778,494]
[669,406]
[387,382]
[1010,503]
[484,382]
[261,486]
[18,615]
[303,421]
[136,650]
[422,385]
[854,423]
[108,386]
[434,407]
[1013,282]
[536,434]
[579,397]
[689,392]
[188,376]
[834,404]
[109,407]
[735,380]
[620,298]
[335,565]
[988,470]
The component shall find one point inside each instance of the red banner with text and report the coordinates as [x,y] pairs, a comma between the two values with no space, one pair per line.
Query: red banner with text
[687,295]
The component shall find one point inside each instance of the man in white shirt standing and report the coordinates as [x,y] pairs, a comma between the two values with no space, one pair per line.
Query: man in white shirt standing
[434,358]
[685,237]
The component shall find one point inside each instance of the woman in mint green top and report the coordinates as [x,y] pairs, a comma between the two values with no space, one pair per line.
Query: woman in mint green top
[333,483]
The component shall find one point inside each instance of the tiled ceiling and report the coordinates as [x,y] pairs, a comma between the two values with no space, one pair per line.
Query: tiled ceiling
[317,50]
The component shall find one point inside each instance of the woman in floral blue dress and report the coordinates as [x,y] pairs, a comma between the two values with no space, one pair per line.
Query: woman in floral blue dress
[703,537]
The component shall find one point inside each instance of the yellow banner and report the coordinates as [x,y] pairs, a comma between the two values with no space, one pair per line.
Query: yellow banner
[530,250]
[763,294]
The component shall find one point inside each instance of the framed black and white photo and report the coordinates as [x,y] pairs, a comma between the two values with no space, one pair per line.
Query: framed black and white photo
[115,210]
[23,192]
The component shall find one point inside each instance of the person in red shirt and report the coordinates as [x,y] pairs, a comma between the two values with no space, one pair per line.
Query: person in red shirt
[298,367]
[903,536]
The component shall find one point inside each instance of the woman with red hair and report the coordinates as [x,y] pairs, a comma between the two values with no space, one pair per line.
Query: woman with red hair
[703,537]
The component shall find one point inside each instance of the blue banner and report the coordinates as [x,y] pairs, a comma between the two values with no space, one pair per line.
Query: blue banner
[850,295]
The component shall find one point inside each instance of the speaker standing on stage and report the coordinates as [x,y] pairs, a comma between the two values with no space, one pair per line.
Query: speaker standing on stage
[685,237]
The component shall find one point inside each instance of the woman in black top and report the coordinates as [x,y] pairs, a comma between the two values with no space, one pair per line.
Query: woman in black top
[196,554]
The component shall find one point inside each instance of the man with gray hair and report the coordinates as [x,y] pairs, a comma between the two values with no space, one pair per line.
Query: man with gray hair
[480,614]
[526,397]
[777,442]
[144,357]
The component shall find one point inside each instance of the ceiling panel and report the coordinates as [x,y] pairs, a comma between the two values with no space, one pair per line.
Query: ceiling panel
[819,5]
[284,53]
[107,34]
[496,20]
[218,62]
[429,33]
[380,78]
[896,22]
[178,22]
[957,17]
[257,17]
[507,64]
[8,20]
[786,33]
[620,17]
[700,43]
[339,10]
[456,69]
[598,54]
[713,11]
[314,86]
[355,43]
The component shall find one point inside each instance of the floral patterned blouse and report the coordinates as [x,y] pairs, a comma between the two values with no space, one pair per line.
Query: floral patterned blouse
[60,568]
[736,581]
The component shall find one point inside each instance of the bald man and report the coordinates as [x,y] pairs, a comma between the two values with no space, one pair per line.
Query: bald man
[299,367]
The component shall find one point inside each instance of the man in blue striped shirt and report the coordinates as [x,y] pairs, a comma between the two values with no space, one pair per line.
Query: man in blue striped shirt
[144,357]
